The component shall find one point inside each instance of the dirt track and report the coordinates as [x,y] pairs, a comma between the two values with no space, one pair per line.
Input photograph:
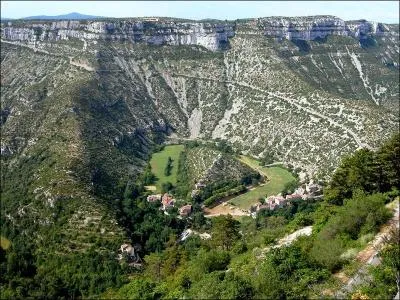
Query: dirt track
[224,209]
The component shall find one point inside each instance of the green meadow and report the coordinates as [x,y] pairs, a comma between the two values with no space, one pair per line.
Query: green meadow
[159,161]
[277,178]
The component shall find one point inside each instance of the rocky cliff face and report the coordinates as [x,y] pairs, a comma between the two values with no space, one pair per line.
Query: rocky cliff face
[311,28]
[213,36]
[256,83]
[210,36]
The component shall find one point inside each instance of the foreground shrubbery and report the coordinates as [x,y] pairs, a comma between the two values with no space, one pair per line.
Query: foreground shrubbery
[360,215]
[386,276]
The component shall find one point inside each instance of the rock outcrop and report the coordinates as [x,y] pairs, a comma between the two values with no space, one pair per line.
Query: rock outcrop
[306,103]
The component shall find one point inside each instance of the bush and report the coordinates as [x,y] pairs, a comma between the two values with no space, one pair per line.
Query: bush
[216,197]
[137,289]
[327,253]
[360,215]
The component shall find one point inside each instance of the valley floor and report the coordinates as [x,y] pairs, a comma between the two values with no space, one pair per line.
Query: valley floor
[277,179]
[237,206]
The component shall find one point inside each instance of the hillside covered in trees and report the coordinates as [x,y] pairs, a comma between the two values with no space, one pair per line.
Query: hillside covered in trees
[241,259]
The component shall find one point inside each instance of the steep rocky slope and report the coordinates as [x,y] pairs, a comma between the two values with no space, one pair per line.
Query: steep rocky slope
[314,89]
[83,102]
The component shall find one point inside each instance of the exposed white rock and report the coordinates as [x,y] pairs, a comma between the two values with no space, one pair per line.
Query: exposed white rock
[194,123]
[356,62]
[210,36]
[311,28]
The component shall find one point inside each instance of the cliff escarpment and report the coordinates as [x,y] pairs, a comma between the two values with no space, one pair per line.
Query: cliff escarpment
[213,36]
[312,28]
[154,32]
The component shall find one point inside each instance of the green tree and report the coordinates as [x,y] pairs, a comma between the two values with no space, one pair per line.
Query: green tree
[198,220]
[366,170]
[290,187]
[139,288]
[166,187]
[327,253]
[388,161]
[225,231]
[361,214]
[355,172]
[147,177]
[267,159]
[154,262]
[168,167]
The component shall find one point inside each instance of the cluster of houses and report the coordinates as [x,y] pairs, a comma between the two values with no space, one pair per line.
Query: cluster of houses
[311,191]
[168,201]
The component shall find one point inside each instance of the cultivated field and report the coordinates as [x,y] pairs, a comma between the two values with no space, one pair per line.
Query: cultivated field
[158,163]
[277,177]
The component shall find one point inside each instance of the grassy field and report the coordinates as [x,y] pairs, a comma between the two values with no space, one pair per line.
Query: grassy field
[277,178]
[159,161]
[4,243]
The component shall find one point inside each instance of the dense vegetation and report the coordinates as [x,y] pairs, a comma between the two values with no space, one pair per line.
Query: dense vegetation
[386,276]
[366,170]
[214,165]
[227,261]
[225,266]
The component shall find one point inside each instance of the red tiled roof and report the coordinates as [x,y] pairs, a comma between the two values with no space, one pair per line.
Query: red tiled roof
[186,209]
[293,196]
[167,199]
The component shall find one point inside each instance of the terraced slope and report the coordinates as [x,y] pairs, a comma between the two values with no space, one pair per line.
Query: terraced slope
[63,157]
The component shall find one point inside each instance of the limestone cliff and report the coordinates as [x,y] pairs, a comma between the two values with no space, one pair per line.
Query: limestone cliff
[154,32]
[311,28]
[213,36]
